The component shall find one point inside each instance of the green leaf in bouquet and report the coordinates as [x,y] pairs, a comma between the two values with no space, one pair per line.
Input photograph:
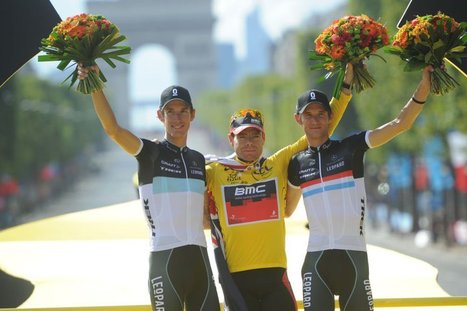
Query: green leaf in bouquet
[72,76]
[438,44]
[63,64]
[455,52]
[109,62]
[439,54]
[102,77]
[48,57]
[116,38]
[316,66]
[52,50]
[336,92]
[428,58]
[121,59]
[413,65]
[119,50]
[379,56]
[463,38]
[396,50]
[108,42]
[77,49]
[312,55]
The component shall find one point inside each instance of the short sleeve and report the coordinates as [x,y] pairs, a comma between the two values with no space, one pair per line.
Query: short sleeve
[292,173]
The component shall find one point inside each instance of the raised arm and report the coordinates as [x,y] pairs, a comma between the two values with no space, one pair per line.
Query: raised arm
[124,138]
[407,115]
[338,106]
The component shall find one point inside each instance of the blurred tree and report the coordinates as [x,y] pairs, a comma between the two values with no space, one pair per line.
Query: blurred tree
[276,96]
[8,113]
[273,95]
[42,123]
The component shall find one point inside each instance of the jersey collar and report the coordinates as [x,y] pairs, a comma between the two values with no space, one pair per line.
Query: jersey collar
[234,163]
[173,147]
[323,146]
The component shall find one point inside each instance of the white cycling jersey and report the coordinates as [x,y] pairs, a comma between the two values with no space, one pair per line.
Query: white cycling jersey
[332,184]
[172,181]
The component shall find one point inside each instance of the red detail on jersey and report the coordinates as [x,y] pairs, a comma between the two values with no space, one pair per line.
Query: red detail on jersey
[327,178]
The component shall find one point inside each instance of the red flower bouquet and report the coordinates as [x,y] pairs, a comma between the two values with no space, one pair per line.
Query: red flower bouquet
[427,40]
[351,39]
[84,38]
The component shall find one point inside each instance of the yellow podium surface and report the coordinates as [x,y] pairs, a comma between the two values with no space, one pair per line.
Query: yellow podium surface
[99,257]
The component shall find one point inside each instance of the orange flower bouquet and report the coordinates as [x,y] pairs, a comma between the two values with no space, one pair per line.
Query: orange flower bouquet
[427,40]
[83,39]
[351,39]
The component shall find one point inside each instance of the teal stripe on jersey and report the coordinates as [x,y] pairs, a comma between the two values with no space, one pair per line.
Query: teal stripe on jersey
[163,184]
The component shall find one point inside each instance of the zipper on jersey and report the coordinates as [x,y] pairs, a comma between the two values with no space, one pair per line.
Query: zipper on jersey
[188,215]
[326,201]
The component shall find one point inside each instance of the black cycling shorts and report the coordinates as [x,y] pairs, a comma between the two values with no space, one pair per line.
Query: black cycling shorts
[182,278]
[266,289]
[336,272]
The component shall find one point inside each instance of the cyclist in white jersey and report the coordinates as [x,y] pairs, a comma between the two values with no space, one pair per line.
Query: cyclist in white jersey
[329,175]
[172,182]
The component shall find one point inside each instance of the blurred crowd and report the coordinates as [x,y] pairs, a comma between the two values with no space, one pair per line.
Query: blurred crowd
[424,196]
[23,196]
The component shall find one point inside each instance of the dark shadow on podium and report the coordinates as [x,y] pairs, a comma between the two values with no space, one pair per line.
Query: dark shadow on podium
[14,291]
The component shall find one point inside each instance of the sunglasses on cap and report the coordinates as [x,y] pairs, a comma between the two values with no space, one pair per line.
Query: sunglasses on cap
[240,116]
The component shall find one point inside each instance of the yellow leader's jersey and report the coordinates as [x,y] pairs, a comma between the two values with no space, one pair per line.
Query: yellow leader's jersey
[250,200]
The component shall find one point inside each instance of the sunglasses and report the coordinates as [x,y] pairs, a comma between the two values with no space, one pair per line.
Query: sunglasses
[243,113]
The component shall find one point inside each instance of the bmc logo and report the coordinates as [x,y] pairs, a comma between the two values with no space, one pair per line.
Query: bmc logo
[241,191]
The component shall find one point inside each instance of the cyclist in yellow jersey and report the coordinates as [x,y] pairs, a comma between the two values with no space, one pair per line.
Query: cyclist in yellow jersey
[248,203]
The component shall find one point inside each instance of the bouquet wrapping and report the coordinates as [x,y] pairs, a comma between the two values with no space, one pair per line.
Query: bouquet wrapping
[83,39]
[427,40]
[350,39]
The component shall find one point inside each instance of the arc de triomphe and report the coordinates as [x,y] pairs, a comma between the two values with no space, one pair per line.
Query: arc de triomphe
[184,27]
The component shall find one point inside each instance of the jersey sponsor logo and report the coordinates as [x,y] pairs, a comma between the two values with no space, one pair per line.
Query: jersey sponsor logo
[306,170]
[165,163]
[250,190]
[261,171]
[246,204]
[362,216]
[233,177]
[307,277]
[309,174]
[157,285]
[170,167]
[196,172]
[149,217]
[196,169]
[334,166]
[369,294]
[164,169]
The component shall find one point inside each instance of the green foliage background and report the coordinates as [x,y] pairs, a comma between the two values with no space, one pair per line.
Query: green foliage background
[41,123]
[276,96]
